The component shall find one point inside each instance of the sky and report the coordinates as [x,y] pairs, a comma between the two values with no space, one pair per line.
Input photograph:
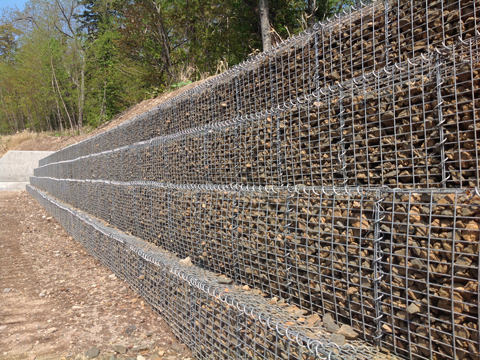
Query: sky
[12,3]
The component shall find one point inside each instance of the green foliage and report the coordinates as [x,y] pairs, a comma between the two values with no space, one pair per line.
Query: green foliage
[8,41]
[180,84]
[65,64]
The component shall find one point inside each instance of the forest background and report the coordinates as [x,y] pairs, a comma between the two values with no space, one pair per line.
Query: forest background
[71,65]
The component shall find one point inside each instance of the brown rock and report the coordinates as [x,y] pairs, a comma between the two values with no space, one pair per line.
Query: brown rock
[338,339]
[447,199]
[348,332]
[387,329]
[313,319]
[472,231]
[418,264]
[352,290]
[330,324]
[273,301]
[413,309]
[186,262]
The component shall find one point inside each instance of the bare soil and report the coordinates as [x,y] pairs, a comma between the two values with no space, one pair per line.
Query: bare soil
[56,301]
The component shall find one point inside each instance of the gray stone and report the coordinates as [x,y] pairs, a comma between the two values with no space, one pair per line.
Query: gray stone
[418,264]
[155,357]
[120,349]
[462,263]
[335,75]
[330,324]
[413,309]
[51,330]
[348,332]
[387,115]
[7,290]
[140,357]
[224,281]
[41,295]
[177,347]
[130,329]
[140,348]
[338,339]
[93,352]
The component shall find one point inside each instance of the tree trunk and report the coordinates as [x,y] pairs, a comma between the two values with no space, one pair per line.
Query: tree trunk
[59,113]
[29,116]
[60,94]
[312,8]
[81,102]
[103,108]
[265,25]
[166,44]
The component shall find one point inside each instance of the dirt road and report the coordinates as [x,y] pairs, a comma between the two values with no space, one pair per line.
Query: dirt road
[57,302]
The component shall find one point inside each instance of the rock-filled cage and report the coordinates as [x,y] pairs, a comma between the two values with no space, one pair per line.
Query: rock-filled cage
[326,193]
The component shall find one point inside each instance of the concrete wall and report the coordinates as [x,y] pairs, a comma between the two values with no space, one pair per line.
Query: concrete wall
[16,167]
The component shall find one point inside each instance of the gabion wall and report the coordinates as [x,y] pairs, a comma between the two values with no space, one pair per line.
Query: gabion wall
[339,172]
[216,321]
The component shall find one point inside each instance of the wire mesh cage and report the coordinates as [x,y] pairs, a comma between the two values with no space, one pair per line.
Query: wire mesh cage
[337,173]
[215,320]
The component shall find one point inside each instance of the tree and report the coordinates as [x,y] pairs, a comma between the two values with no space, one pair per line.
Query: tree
[8,42]
[265,25]
[65,64]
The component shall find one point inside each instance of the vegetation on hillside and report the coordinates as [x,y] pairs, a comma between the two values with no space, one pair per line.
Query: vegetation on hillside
[65,64]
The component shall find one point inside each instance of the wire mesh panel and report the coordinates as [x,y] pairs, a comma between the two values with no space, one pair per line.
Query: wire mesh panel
[430,290]
[336,173]
[143,209]
[256,151]
[410,126]
[392,138]
[342,253]
[160,216]
[215,320]
[216,236]
[460,110]
[182,225]
[215,325]
[331,253]
[123,214]
[218,163]
[261,226]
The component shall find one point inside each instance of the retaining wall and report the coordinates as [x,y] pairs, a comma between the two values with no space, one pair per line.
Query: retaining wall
[16,167]
[337,172]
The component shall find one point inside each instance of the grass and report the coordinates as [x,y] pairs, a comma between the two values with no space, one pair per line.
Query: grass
[12,142]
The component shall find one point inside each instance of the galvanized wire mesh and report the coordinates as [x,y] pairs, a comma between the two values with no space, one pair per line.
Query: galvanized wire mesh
[364,256]
[334,52]
[410,125]
[217,321]
[338,172]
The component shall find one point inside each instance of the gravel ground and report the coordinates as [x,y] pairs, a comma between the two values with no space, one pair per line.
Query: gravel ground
[58,302]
